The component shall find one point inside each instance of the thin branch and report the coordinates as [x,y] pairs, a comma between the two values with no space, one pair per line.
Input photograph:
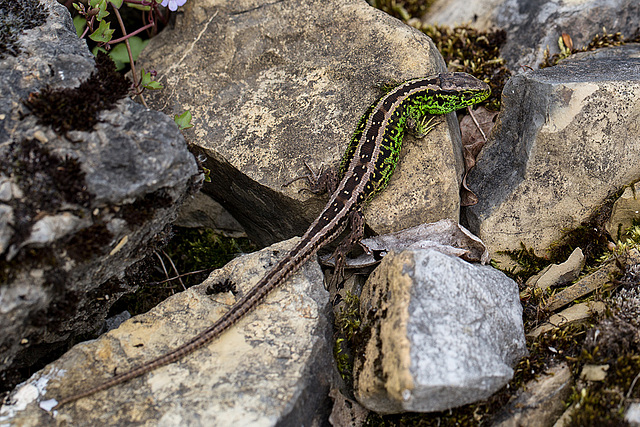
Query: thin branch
[175,269]
[476,122]
[181,275]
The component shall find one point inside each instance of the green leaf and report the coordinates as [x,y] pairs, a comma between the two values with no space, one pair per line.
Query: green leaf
[183,120]
[120,55]
[94,3]
[97,49]
[103,33]
[79,22]
[116,3]
[77,6]
[148,82]
[102,10]
[154,85]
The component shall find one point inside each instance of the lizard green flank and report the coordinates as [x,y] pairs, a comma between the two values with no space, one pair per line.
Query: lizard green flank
[366,167]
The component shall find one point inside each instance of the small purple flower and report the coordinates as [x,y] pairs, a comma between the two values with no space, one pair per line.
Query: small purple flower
[173,4]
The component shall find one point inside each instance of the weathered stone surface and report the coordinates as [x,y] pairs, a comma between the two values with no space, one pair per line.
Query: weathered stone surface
[625,210]
[633,415]
[573,314]
[203,212]
[540,402]
[286,83]
[594,372]
[280,352]
[535,25]
[557,274]
[584,286]
[78,208]
[568,137]
[443,333]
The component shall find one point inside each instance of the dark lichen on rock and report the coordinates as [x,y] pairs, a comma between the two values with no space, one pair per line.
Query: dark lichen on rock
[70,109]
[15,17]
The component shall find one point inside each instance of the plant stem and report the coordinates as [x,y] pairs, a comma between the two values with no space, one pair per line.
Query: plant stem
[130,34]
[126,41]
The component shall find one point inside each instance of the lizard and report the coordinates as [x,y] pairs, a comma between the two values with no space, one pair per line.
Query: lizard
[365,169]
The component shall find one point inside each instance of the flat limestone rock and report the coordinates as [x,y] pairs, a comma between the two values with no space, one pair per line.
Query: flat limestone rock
[273,366]
[557,274]
[568,137]
[272,85]
[443,333]
[541,400]
[573,314]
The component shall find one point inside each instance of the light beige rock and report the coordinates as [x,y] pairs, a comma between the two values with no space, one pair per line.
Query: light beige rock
[202,211]
[625,210]
[274,363]
[573,314]
[594,372]
[559,273]
[276,85]
[584,286]
[540,402]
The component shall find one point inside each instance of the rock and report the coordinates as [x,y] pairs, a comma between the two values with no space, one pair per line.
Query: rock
[280,352]
[203,212]
[535,25]
[566,139]
[625,210]
[442,333]
[584,286]
[573,314]
[540,402]
[79,207]
[594,372]
[558,274]
[286,84]
[633,415]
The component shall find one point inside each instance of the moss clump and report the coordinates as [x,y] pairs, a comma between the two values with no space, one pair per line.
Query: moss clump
[47,180]
[403,9]
[15,17]
[77,108]
[597,42]
[347,328]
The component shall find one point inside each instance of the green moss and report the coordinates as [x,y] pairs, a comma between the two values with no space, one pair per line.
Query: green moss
[77,108]
[15,17]
[403,9]
[528,263]
[347,327]
[597,42]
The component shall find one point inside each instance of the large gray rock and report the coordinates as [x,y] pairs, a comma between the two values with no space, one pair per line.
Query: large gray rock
[567,138]
[536,25]
[272,368]
[443,333]
[274,84]
[77,208]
